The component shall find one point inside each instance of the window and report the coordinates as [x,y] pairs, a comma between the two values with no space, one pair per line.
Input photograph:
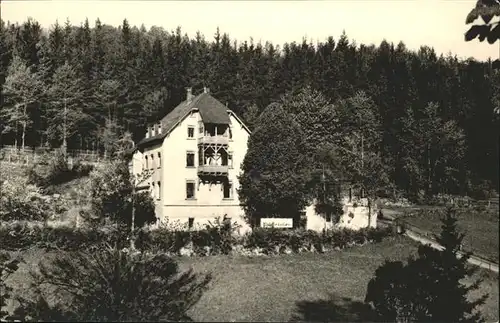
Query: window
[190,132]
[153,191]
[190,222]
[190,190]
[159,159]
[189,159]
[201,128]
[146,157]
[152,161]
[230,160]
[228,190]
[158,195]
[159,127]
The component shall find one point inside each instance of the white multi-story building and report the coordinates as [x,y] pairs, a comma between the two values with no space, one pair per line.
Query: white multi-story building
[194,155]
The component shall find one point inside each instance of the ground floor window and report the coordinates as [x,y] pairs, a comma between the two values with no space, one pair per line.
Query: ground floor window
[228,190]
[190,190]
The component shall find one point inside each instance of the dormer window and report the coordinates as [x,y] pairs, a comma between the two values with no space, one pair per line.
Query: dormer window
[159,128]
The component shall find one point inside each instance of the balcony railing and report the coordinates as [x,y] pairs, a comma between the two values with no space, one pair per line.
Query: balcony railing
[217,170]
[216,140]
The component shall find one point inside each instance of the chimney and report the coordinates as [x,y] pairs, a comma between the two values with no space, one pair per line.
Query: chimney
[189,95]
[206,90]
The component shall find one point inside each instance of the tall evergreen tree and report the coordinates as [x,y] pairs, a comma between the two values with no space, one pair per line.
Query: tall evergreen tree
[429,288]
[22,90]
[274,172]
[65,101]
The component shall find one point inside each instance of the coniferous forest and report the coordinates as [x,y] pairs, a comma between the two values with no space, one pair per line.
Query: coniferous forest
[87,85]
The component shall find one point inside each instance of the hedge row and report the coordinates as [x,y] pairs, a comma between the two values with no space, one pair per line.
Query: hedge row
[210,241]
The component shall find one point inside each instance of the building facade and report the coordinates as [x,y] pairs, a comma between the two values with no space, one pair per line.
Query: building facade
[191,160]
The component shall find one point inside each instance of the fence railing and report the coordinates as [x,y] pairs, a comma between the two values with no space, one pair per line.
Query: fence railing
[29,155]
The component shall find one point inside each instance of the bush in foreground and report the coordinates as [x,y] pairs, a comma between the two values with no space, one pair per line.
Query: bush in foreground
[7,267]
[110,285]
[428,288]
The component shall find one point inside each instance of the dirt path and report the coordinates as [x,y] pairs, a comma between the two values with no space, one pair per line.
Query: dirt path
[391,215]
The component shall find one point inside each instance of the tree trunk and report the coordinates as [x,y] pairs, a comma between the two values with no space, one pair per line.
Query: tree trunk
[369,212]
[429,170]
[24,126]
[64,128]
[24,134]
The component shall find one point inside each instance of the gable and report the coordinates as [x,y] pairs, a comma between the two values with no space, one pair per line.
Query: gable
[211,111]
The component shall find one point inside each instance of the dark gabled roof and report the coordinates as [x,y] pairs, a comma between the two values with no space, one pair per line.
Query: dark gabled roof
[211,111]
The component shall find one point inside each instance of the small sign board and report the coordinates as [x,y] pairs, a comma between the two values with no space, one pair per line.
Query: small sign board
[278,223]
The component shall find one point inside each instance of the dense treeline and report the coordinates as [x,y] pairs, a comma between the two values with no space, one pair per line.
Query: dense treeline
[88,85]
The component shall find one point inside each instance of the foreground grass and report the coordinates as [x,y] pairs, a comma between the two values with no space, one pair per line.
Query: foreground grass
[311,287]
[480,228]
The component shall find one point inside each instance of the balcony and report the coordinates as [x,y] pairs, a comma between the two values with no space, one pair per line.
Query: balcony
[213,140]
[212,170]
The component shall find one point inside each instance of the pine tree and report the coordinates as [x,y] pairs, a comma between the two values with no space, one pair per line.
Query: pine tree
[447,269]
[28,38]
[22,90]
[251,116]
[65,99]
[430,287]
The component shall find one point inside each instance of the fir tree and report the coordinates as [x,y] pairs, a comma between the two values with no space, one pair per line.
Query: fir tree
[274,172]
[430,287]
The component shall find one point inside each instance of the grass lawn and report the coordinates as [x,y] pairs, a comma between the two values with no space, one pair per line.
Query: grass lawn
[311,287]
[480,228]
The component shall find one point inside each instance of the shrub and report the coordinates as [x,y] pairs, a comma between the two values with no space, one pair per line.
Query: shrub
[276,241]
[111,196]
[19,236]
[80,169]
[55,169]
[215,238]
[262,238]
[113,285]
[162,239]
[56,172]
[21,201]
